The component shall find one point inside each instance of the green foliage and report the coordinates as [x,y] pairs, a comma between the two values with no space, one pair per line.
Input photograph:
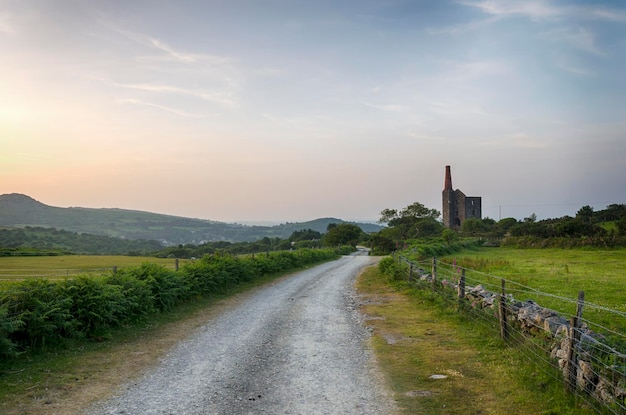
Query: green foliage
[425,249]
[8,326]
[342,234]
[381,245]
[414,221]
[474,227]
[305,235]
[49,241]
[391,268]
[449,236]
[96,305]
[156,286]
[413,211]
[37,313]
[138,293]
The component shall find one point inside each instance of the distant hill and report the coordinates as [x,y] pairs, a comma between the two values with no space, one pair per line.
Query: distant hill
[18,210]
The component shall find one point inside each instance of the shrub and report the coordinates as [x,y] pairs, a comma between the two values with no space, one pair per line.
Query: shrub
[167,287]
[137,293]
[8,325]
[96,305]
[388,266]
[38,313]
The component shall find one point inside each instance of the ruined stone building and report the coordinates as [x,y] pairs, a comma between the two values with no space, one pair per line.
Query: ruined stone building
[456,206]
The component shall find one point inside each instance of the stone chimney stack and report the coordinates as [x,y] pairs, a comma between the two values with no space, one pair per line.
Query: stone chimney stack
[448,182]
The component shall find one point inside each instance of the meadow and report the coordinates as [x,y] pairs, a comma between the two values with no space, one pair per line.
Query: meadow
[58,267]
[601,274]
[553,278]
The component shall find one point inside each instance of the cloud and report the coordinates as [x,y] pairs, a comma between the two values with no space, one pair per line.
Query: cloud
[170,53]
[463,71]
[581,39]
[161,107]
[182,57]
[456,108]
[463,27]
[534,9]
[6,24]
[223,98]
[518,140]
[545,9]
[387,107]
[609,15]
[219,76]
[173,55]
[573,69]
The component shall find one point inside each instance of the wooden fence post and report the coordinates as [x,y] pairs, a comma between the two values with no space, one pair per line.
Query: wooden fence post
[433,274]
[461,290]
[504,325]
[114,269]
[176,264]
[410,271]
[571,366]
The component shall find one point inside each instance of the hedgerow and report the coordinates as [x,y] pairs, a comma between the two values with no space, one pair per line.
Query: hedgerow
[38,313]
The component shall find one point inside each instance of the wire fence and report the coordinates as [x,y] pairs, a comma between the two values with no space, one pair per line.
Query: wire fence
[575,341]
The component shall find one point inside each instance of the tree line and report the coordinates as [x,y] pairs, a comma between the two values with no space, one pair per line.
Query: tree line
[50,241]
[343,234]
[30,241]
[604,228]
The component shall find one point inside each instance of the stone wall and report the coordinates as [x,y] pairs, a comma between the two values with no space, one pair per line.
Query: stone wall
[595,375]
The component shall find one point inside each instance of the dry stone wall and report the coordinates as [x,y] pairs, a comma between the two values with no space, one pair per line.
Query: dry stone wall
[603,381]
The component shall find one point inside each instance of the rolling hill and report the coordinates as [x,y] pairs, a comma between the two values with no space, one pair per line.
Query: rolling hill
[18,210]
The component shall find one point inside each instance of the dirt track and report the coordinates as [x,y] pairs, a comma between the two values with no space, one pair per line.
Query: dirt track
[297,346]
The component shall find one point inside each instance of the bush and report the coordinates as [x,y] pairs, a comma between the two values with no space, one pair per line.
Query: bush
[96,305]
[166,287]
[8,325]
[137,293]
[37,313]
[388,266]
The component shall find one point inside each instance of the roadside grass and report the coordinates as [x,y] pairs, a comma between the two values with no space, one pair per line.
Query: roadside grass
[67,380]
[59,267]
[415,336]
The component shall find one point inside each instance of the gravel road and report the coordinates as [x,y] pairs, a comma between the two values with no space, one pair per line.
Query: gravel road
[297,346]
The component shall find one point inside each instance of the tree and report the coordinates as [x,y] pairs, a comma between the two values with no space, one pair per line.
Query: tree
[381,245]
[414,221]
[411,212]
[585,214]
[531,219]
[428,227]
[419,211]
[387,215]
[474,226]
[305,235]
[342,234]
[504,225]
[449,235]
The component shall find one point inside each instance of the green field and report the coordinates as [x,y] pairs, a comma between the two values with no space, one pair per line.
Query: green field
[57,267]
[553,278]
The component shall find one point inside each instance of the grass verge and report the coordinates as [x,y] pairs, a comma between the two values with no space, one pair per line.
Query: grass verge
[415,337]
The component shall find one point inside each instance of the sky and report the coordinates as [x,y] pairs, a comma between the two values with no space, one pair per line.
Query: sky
[287,111]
